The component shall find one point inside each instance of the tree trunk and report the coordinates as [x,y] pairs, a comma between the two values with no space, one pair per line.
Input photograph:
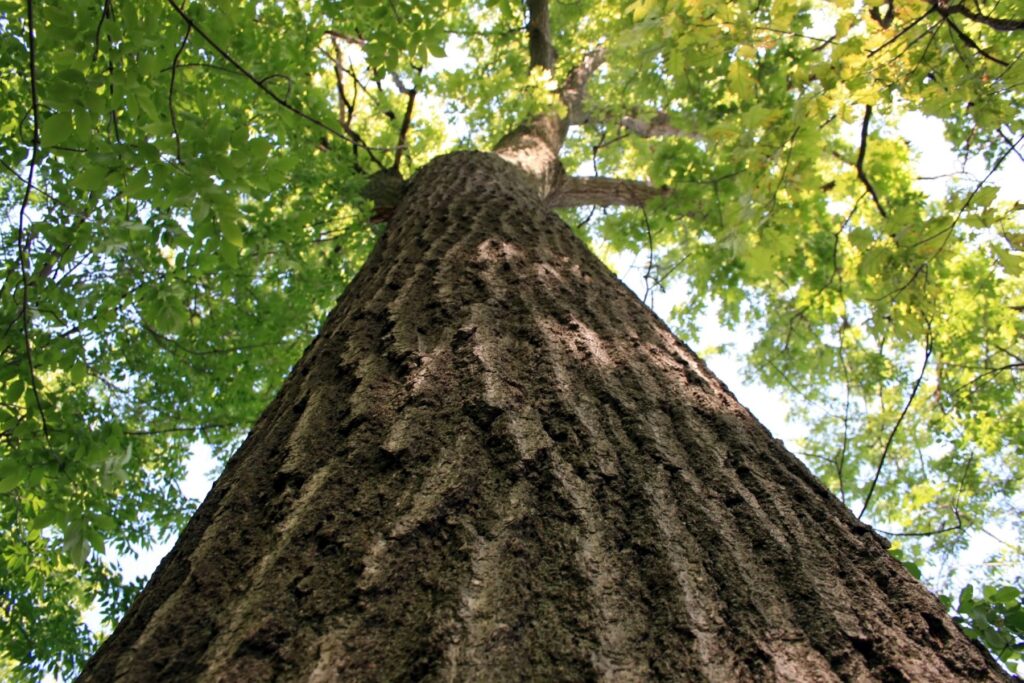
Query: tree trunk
[495,464]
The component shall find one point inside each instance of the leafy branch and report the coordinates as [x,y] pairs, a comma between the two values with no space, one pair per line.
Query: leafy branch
[24,243]
[970,42]
[948,231]
[261,83]
[902,32]
[998,23]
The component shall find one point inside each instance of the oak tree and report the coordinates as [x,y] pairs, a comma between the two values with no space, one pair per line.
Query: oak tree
[188,187]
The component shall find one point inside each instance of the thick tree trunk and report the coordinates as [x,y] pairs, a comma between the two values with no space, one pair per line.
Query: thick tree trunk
[495,464]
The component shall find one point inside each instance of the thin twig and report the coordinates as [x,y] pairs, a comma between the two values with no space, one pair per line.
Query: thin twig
[902,32]
[648,289]
[345,108]
[348,134]
[841,458]
[987,373]
[934,532]
[205,65]
[970,198]
[170,430]
[970,42]
[403,132]
[1011,143]
[861,174]
[895,427]
[947,231]
[23,243]
[170,343]
[105,14]
[170,93]
[998,23]
[4,165]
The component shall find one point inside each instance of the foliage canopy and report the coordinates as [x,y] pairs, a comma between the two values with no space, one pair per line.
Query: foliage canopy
[181,190]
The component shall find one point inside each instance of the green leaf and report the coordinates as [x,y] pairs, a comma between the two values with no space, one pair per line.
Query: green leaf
[985,195]
[966,595]
[11,481]
[14,390]
[75,544]
[104,522]
[77,372]
[1008,595]
[56,129]
[46,518]
[165,312]
[232,233]
[92,177]
[914,570]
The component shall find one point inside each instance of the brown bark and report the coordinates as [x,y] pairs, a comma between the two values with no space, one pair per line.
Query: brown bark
[533,148]
[598,191]
[495,464]
[538,26]
[655,127]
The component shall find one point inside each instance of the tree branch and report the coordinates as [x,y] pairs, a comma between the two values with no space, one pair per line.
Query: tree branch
[23,243]
[403,131]
[970,42]
[895,427]
[170,93]
[538,25]
[345,107]
[353,40]
[998,23]
[574,90]
[655,127]
[349,134]
[884,20]
[597,191]
[860,161]
[106,12]
[534,145]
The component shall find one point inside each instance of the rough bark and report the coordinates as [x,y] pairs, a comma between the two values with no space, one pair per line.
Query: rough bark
[597,191]
[538,26]
[533,148]
[495,464]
